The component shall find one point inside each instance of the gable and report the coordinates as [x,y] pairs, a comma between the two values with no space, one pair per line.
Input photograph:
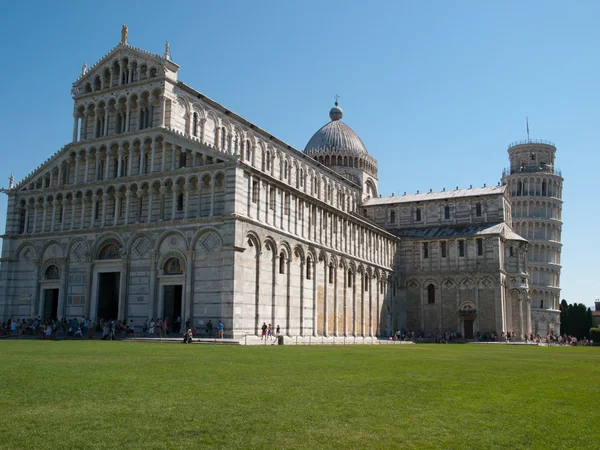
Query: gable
[126,61]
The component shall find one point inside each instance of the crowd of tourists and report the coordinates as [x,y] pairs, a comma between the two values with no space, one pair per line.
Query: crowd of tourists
[456,337]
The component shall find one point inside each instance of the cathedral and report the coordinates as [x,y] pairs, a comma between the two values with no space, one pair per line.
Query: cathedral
[167,204]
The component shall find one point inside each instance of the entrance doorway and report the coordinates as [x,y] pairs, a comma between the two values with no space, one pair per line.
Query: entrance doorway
[172,304]
[50,304]
[108,295]
[468,329]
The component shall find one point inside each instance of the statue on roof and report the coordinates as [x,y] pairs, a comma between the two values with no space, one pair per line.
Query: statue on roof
[167,50]
[84,69]
[11,181]
[124,33]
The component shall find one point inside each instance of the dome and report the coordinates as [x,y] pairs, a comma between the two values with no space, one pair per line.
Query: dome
[336,137]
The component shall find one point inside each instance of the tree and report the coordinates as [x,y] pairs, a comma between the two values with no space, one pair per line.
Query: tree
[575,319]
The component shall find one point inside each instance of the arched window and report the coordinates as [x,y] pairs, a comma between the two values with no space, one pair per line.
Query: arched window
[308,268]
[285,170]
[330,273]
[430,293]
[544,188]
[248,147]
[173,266]
[281,263]
[52,273]
[180,202]
[349,278]
[268,162]
[519,187]
[223,138]
[195,124]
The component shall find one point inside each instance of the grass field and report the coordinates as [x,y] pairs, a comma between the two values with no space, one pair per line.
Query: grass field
[96,394]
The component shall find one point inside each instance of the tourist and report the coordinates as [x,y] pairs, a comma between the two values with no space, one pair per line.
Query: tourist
[277,334]
[131,328]
[209,327]
[187,337]
[151,328]
[48,331]
[270,332]
[221,329]
[164,327]
[264,331]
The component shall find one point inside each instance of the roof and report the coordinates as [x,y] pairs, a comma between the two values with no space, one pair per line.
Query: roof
[485,229]
[336,135]
[444,195]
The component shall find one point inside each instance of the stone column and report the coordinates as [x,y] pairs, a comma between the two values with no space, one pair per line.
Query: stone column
[163,165]
[174,202]
[62,299]
[140,195]
[34,307]
[173,157]
[153,156]
[130,162]
[141,165]
[84,200]
[105,121]
[60,172]
[120,162]
[153,301]
[104,201]
[127,205]
[64,214]
[106,164]
[35,217]
[212,197]
[200,184]
[127,114]
[117,209]
[74,200]
[76,176]
[75,120]
[186,206]
[54,202]
[150,192]
[26,227]
[123,285]
[189,280]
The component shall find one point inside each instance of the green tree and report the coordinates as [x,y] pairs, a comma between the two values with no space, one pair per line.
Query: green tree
[575,319]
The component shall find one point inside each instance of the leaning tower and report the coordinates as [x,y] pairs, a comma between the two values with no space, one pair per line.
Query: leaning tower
[535,190]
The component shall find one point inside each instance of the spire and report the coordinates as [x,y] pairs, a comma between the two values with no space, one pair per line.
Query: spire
[167,51]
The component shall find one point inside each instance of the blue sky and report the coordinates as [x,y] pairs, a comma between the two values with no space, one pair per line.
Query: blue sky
[435,89]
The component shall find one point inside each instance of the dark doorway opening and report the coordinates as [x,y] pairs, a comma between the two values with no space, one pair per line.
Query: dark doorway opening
[468,329]
[108,295]
[50,304]
[172,305]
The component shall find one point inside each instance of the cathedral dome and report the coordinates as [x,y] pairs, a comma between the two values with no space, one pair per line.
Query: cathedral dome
[336,137]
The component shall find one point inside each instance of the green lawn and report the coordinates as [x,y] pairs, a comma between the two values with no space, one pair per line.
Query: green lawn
[96,394]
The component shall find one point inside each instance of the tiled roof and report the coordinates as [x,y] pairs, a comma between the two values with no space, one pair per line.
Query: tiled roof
[501,229]
[457,193]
